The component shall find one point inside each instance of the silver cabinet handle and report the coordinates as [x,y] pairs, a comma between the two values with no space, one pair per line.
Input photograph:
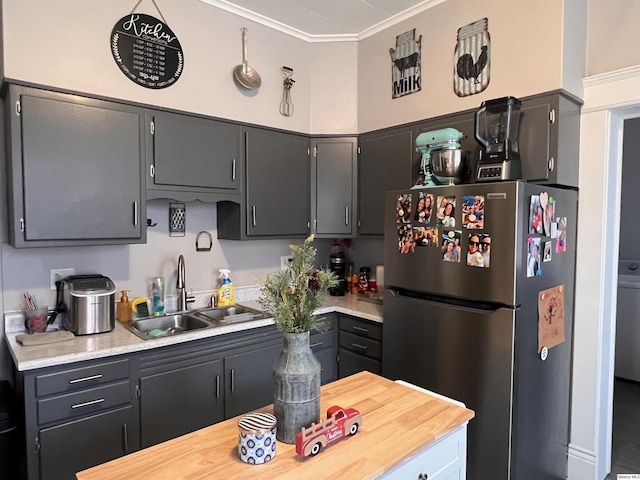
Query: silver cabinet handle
[316,344]
[357,345]
[346,215]
[152,171]
[233,170]
[360,329]
[253,215]
[85,379]
[88,404]
[135,214]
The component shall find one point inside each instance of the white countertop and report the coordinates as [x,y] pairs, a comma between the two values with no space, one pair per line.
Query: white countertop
[121,341]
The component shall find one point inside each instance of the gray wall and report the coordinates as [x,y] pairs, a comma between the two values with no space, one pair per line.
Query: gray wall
[630,200]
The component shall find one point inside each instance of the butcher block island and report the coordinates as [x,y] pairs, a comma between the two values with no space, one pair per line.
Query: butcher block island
[404,433]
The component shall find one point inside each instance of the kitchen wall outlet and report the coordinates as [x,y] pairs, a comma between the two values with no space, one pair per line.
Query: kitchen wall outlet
[284,261]
[58,274]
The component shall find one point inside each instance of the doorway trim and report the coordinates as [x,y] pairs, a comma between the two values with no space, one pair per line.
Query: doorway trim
[609,99]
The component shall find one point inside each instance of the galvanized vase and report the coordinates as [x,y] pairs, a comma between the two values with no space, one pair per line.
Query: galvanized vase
[296,387]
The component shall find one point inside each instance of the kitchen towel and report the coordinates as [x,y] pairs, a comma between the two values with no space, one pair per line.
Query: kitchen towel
[44,338]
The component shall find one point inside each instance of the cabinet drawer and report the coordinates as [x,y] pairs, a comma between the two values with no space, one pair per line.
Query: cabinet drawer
[439,461]
[361,345]
[84,377]
[358,327]
[321,340]
[81,403]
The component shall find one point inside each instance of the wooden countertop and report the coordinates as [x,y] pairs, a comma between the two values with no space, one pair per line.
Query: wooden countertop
[398,422]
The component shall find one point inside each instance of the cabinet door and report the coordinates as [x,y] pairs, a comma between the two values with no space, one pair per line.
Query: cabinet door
[70,447]
[334,187]
[75,170]
[249,380]
[277,197]
[465,123]
[385,164]
[180,401]
[190,152]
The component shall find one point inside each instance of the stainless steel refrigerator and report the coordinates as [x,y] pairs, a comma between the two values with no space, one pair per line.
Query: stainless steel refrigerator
[493,331]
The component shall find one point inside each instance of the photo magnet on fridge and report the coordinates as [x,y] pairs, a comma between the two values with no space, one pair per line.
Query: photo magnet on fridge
[473,212]
[534,267]
[536,215]
[446,213]
[406,244]
[561,241]
[425,237]
[451,250]
[424,207]
[403,208]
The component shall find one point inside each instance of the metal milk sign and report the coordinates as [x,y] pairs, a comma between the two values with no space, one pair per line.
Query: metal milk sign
[406,74]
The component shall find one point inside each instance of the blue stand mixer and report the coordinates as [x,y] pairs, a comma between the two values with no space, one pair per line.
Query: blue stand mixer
[445,145]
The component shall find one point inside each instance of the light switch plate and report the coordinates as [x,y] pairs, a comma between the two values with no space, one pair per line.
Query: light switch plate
[58,274]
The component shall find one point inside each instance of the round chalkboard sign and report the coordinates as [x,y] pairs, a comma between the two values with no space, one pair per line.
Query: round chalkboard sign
[147,51]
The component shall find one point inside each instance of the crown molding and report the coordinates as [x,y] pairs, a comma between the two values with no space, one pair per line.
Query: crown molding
[610,77]
[307,37]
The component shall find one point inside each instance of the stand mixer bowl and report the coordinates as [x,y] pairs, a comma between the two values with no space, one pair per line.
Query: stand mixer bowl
[449,166]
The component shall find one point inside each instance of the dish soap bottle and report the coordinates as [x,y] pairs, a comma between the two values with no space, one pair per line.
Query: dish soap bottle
[225,292]
[124,307]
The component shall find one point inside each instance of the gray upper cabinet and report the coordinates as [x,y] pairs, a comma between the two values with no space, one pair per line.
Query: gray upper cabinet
[192,158]
[75,170]
[276,198]
[334,187]
[385,164]
[464,122]
[550,139]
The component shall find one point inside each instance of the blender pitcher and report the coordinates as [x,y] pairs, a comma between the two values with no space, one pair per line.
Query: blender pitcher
[497,123]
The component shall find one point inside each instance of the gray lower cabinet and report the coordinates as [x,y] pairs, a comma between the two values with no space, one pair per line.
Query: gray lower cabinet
[67,157]
[191,157]
[276,200]
[249,378]
[76,416]
[334,188]
[360,346]
[180,390]
[83,443]
[324,344]
[385,163]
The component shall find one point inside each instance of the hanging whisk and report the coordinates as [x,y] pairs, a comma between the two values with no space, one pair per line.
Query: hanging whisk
[286,106]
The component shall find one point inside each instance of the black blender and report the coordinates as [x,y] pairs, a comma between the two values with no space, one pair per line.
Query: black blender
[497,129]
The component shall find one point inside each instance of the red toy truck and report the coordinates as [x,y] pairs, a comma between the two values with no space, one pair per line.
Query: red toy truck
[340,422]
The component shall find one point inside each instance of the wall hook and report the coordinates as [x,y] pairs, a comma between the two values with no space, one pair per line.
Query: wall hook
[151,223]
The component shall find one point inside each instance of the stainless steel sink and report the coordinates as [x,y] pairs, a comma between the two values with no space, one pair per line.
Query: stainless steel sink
[227,315]
[183,322]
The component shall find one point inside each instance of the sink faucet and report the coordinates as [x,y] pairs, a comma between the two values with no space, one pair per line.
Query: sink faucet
[183,298]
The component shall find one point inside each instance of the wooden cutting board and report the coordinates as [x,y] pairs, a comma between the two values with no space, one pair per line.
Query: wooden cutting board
[398,422]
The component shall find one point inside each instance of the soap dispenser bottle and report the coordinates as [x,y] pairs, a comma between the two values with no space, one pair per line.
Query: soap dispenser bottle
[124,307]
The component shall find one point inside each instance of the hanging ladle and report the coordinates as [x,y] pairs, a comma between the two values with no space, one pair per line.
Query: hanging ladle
[246,76]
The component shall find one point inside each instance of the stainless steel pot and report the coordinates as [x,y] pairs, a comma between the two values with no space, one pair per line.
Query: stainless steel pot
[89,304]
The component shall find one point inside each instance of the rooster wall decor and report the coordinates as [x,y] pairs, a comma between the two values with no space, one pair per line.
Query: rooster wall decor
[472,59]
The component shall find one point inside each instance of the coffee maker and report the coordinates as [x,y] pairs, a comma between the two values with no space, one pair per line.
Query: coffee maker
[497,130]
[338,265]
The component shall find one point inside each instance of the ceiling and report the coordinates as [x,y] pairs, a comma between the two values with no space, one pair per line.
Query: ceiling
[326,20]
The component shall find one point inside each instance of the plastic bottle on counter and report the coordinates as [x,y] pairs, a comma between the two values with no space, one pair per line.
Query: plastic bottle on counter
[355,280]
[226,291]
[124,307]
